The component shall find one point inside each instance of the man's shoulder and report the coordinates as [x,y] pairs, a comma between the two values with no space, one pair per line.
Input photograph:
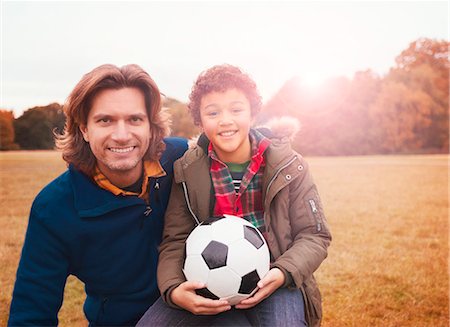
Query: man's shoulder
[175,147]
[55,193]
[175,143]
[62,189]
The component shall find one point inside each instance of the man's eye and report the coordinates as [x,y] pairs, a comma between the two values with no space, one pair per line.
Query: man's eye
[104,120]
[136,119]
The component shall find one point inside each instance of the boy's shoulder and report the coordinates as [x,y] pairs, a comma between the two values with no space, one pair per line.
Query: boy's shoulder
[280,129]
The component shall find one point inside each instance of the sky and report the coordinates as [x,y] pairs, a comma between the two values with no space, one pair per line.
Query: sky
[46,47]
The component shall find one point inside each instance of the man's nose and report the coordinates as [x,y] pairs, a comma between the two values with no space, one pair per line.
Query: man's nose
[121,132]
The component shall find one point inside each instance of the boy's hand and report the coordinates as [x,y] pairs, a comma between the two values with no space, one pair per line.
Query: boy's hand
[184,296]
[269,284]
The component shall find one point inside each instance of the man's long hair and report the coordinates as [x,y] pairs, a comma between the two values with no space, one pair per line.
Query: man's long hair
[74,149]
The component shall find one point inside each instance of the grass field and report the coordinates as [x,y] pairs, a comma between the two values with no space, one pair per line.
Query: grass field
[387,265]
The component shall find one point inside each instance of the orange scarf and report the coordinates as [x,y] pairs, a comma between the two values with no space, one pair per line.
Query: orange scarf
[151,169]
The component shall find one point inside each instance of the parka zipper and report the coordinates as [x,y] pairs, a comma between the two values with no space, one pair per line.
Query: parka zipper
[188,203]
[157,191]
[148,209]
[316,214]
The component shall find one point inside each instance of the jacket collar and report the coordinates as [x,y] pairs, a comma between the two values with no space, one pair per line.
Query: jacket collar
[90,200]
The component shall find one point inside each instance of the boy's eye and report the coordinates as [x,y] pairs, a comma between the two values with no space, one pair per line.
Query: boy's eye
[236,110]
[212,113]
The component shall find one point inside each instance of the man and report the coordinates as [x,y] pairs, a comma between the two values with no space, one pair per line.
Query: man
[102,219]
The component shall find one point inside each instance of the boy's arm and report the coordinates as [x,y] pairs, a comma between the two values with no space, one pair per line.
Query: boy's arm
[41,277]
[177,226]
[309,229]
[175,290]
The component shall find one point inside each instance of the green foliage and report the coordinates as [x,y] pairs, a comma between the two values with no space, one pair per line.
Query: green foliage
[34,129]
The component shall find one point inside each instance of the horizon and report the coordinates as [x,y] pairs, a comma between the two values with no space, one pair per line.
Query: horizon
[272,41]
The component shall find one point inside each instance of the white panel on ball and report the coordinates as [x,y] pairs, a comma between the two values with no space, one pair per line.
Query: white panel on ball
[223,282]
[198,244]
[242,257]
[261,265]
[195,269]
[227,230]
[201,236]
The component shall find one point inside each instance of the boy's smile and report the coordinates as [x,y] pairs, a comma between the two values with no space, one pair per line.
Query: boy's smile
[226,120]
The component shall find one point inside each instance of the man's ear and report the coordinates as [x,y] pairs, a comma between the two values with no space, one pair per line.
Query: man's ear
[83,130]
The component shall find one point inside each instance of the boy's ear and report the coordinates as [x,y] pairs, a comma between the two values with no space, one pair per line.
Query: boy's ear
[83,130]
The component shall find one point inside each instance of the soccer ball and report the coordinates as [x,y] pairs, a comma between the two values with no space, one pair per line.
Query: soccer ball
[229,255]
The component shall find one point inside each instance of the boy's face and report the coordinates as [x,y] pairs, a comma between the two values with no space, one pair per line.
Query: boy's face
[226,120]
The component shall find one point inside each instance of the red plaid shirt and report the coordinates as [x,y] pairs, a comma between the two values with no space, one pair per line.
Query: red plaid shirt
[247,203]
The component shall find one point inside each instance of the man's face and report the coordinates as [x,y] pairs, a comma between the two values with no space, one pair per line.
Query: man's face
[118,132]
[226,120]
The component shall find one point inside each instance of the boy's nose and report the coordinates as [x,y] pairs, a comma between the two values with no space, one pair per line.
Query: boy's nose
[225,119]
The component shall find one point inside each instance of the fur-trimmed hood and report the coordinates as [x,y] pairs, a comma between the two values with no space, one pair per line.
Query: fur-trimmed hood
[284,127]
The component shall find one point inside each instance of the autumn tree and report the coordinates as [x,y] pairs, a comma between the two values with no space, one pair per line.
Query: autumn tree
[401,115]
[35,128]
[7,131]
[424,69]
[182,124]
[405,111]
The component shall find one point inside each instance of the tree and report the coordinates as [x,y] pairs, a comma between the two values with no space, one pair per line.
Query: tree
[406,111]
[400,116]
[182,124]
[34,129]
[7,131]
[424,67]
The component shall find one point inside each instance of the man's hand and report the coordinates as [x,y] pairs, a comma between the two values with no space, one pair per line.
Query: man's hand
[269,284]
[184,296]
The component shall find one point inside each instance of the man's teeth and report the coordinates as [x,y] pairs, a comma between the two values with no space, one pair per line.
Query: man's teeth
[229,133]
[122,150]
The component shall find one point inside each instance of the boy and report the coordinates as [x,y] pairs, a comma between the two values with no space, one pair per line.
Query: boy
[254,174]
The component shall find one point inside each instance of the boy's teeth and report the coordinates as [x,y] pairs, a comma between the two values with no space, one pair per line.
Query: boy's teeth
[227,133]
[122,150]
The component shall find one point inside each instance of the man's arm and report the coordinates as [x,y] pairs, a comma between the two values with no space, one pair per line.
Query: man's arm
[41,276]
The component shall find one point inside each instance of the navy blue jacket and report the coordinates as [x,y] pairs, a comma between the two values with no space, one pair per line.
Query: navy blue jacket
[107,241]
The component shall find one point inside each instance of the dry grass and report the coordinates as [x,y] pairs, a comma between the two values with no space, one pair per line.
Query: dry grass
[387,265]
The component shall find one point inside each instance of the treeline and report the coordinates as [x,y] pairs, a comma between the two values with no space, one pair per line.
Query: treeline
[405,111]
[33,130]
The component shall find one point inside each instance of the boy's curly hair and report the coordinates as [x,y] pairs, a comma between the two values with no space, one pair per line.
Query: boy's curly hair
[221,78]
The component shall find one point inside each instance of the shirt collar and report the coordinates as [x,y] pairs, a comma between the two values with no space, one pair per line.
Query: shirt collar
[259,143]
